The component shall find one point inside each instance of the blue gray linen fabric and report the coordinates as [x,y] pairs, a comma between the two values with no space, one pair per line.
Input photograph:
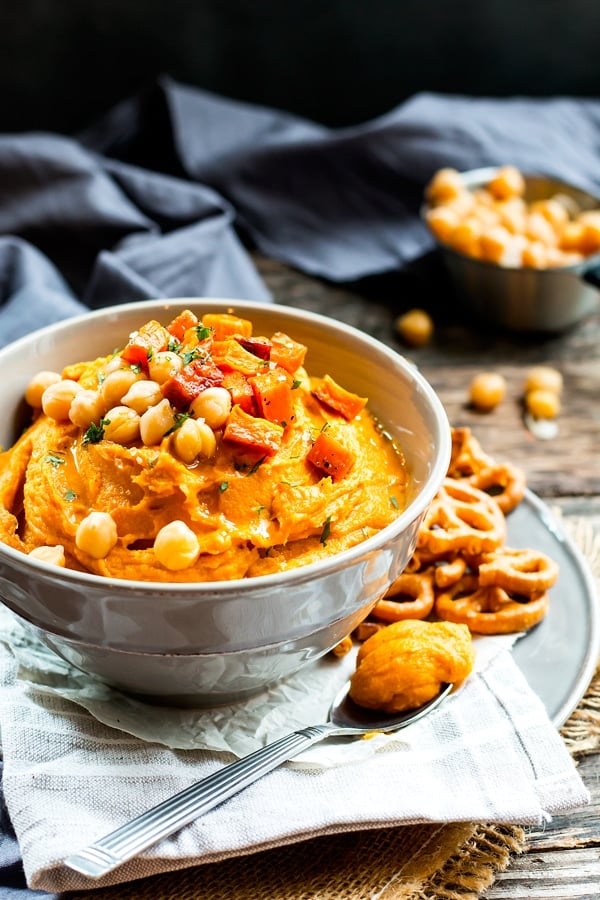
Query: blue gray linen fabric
[165,195]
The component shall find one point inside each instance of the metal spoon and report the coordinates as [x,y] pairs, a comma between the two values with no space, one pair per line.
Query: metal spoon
[128,841]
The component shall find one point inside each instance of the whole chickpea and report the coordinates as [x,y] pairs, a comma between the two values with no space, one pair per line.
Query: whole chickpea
[142,395]
[415,327]
[542,404]
[116,384]
[96,534]
[155,423]
[487,390]
[545,378]
[121,425]
[164,365]
[213,405]
[86,407]
[176,546]
[53,555]
[57,399]
[37,386]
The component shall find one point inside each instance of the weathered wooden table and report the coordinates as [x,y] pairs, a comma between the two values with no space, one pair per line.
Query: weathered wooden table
[563,859]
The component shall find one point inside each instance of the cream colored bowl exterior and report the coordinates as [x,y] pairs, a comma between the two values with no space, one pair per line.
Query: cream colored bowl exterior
[219,642]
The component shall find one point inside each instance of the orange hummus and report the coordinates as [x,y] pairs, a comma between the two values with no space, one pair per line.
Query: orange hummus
[254,489]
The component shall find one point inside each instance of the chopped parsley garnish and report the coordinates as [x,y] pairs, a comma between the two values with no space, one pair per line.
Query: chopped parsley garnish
[173,345]
[136,367]
[70,495]
[189,355]
[55,460]
[95,433]
[223,486]
[394,502]
[202,332]
[296,383]
[257,465]
[179,420]
[326,531]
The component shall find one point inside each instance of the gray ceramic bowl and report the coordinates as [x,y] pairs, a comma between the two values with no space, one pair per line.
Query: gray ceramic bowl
[205,644]
[521,299]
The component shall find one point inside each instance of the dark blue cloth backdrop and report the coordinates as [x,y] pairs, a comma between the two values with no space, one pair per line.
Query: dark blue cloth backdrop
[163,196]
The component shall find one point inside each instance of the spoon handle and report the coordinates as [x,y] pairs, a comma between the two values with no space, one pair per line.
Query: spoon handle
[147,829]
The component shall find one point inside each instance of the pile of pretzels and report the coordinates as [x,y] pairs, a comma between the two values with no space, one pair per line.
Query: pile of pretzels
[461,570]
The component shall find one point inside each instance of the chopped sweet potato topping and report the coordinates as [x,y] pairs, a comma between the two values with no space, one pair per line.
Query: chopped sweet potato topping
[339,399]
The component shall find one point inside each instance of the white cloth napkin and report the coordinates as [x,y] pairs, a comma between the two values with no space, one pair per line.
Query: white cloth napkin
[489,754]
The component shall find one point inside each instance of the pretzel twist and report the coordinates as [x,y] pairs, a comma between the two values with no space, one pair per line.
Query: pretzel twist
[521,571]
[489,609]
[411,596]
[461,518]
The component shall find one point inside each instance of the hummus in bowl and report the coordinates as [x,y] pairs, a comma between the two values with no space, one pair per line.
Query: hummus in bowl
[236,553]
[198,452]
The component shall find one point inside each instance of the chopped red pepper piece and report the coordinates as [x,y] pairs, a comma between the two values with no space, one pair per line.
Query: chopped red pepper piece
[330,456]
[287,353]
[259,346]
[151,338]
[195,377]
[252,433]
[338,398]
[273,393]
[225,325]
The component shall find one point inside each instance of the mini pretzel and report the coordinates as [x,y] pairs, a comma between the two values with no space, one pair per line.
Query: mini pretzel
[467,455]
[448,572]
[505,482]
[417,587]
[461,518]
[523,572]
[490,609]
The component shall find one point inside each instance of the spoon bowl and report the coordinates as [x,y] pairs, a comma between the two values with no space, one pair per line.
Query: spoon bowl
[346,718]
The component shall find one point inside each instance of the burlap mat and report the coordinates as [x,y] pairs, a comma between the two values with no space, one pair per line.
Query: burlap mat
[424,862]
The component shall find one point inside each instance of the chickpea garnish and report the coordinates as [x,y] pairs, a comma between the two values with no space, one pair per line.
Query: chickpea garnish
[176,546]
[121,425]
[53,555]
[86,407]
[57,398]
[487,390]
[96,534]
[213,405]
[155,423]
[193,439]
[415,327]
[37,386]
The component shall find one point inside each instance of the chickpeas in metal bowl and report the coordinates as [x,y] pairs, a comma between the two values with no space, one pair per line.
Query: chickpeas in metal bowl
[523,250]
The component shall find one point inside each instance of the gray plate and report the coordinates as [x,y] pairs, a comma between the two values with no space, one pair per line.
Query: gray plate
[559,656]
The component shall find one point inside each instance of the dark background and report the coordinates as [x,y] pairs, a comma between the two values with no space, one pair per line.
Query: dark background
[339,62]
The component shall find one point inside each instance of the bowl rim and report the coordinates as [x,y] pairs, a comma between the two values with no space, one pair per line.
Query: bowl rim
[479,176]
[416,507]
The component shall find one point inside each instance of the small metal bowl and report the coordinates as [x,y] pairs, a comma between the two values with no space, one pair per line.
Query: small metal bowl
[526,299]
